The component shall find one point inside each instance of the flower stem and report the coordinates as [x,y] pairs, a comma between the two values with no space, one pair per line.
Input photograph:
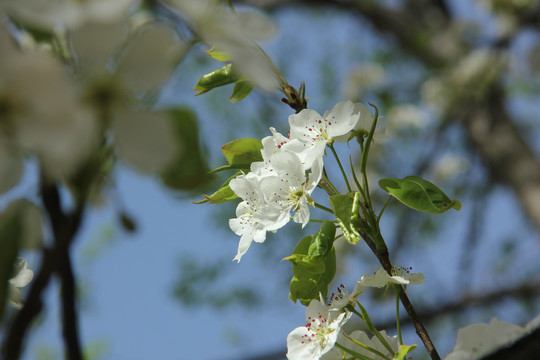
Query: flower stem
[321,220]
[370,349]
[322,207]
[383,208]
[331,146]
[373,330]
[398,325]
[351,352]
[360,190]
[330,184]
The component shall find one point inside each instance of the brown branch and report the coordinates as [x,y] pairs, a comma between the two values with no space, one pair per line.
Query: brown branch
[524,291]
[384,259]
[55,260]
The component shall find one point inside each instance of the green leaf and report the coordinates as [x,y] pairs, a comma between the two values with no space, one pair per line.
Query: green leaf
[189,169]
[347,212]
[241,153]
[419,194]
[218,55]
[312,273]
[214,79]
[242,88]
[223,194]
[403,351]
[310,263]
[323,240]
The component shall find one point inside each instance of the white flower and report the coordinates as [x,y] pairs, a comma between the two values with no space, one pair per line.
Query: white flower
[401,276]
[21,278]
[319,335]
[290,189]
[316,131]
[254,216]
[476,340]
[341,298]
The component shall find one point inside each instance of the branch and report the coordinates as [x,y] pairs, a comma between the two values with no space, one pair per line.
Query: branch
[64,228]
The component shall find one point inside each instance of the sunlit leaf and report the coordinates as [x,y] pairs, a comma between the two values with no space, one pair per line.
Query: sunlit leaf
[419,194]
[242,88]
[403,351]
[223,194]
[346,209]
[218,55]
[241,153]
[216,78]
[313,273]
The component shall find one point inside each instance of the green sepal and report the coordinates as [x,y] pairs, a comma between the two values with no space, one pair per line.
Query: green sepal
[403,351]
[347,211]
[240,153]
[223,194]
[219,77]
[242,88]
[419,194]
[313,273]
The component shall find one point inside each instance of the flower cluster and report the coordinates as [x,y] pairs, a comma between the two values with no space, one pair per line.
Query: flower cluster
[316,340]
[291,169]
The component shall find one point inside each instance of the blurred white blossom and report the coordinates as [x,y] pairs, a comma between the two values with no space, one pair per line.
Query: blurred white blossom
[50,14]
[363,77]
[43,111]
[449,166]
[21,277]
[477,340]
[235,34]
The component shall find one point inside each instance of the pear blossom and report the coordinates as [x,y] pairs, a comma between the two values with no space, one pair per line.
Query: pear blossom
[290,189]
[341,298]
[22,277]
[401,276]
[316,131]
[319,335]
[478,340]
[255,215]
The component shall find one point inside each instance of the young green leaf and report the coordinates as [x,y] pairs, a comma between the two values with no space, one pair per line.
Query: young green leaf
[419,194]
[403,351]
[242,88]
[223,194]
[346,209]
[218,55]
[323,239]
[311,273]
[216,78]
[241,153]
